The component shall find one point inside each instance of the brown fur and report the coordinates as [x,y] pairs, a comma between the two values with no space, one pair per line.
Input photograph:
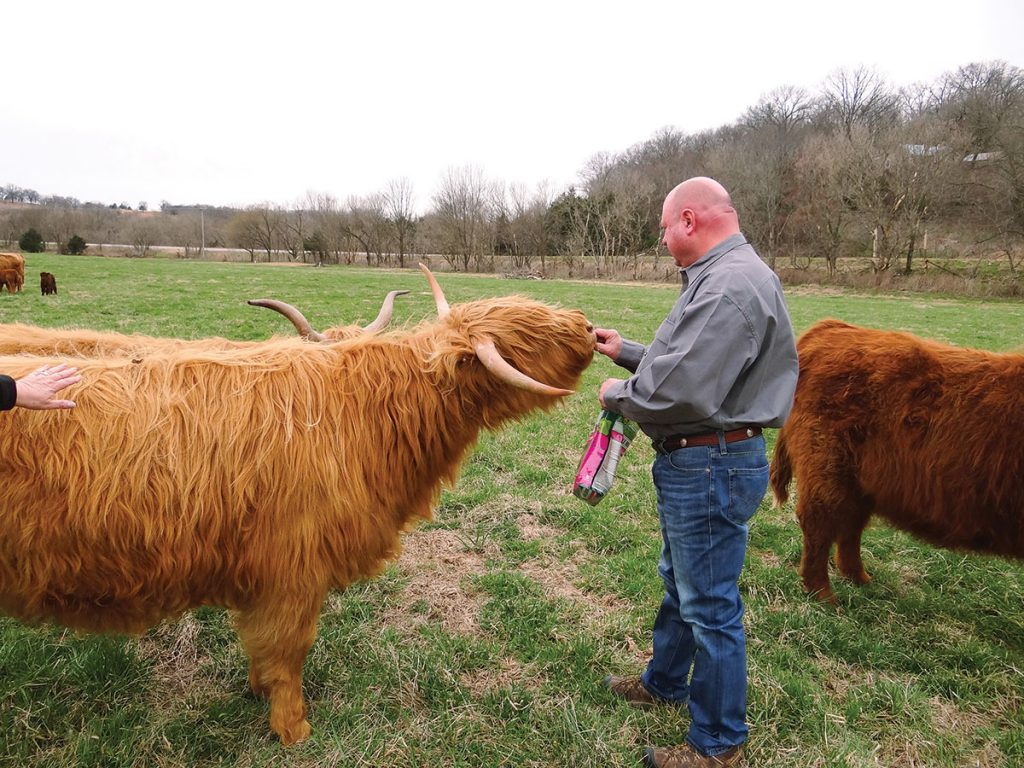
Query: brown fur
[47,283]
[12,271]
[11,279]
[255,479]
[923,434]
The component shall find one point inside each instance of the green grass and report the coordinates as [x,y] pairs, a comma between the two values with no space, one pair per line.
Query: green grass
[486,643]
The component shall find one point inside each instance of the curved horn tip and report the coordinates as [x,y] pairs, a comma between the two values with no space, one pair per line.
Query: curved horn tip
[383,318]
[443,308]
[295,317]
[492,360]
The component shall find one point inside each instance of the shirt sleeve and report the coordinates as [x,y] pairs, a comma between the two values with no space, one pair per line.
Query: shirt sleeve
[630,355]
[690,366]
[8,393]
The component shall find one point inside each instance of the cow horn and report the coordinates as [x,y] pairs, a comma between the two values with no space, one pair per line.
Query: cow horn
[500,367]
[298,320]
[384,317]
[442,303]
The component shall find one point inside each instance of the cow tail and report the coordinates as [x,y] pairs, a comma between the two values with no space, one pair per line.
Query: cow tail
[781,470]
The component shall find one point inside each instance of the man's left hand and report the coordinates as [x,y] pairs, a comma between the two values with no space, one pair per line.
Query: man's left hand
[604,388]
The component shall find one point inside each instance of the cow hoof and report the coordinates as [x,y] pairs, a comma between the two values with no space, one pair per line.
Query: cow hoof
[296,733]
[824,595]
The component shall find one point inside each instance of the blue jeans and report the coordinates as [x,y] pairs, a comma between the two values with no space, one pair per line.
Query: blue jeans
[706,495]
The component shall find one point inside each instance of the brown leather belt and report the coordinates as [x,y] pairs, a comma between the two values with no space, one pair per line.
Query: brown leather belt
[675,442]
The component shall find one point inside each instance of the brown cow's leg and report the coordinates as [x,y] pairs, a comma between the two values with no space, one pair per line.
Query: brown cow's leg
[277,637]
[848,558]
[819,530]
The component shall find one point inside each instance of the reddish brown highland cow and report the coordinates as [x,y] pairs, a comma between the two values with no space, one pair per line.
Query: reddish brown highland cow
[925,435]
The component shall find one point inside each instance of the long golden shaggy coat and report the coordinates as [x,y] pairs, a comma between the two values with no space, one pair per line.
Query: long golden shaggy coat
[255,479]
[923,434]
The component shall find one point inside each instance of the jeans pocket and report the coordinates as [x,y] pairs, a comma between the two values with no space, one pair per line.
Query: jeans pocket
[746,489]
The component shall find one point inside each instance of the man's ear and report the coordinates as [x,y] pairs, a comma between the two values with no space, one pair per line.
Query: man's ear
[688,219]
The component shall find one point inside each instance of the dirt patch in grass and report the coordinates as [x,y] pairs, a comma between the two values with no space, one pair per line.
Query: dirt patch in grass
[178,659]
[531,529]
[511,672]
[439,565]
[558,580]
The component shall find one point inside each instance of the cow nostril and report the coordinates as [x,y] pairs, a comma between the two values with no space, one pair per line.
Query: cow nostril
[590,328]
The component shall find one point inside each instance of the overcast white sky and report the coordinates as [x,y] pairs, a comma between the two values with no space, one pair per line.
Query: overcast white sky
[229,103]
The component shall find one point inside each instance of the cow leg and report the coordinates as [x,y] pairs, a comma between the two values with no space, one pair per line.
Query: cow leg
[277,636]
[848,558]
[819,531]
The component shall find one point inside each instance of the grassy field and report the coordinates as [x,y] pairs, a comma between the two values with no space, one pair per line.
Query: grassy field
[486,643]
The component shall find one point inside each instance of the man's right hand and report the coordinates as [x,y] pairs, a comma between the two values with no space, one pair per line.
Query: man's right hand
[609,342]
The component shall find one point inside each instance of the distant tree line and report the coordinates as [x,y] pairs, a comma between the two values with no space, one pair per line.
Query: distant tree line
[859,168]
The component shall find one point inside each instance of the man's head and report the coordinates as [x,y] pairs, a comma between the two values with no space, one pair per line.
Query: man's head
[697,215]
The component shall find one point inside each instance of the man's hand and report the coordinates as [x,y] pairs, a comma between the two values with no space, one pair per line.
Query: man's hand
[604,388]
[609,342]
[36,390]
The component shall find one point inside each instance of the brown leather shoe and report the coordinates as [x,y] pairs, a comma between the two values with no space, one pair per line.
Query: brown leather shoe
[686,756]
[633,690]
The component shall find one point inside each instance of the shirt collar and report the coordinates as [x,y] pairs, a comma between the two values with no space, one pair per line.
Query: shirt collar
[717,251]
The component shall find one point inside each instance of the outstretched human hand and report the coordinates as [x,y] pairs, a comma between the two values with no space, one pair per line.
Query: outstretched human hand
[36,390]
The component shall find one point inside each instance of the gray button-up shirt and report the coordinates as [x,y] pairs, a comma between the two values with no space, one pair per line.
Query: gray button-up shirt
[725,356]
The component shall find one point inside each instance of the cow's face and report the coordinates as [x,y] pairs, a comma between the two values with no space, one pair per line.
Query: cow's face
[549,345]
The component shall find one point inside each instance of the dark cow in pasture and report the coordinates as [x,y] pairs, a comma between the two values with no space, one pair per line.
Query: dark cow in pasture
[922,434]
[259,478]
[47,283]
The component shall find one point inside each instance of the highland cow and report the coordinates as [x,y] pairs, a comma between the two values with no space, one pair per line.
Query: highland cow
[12,271]
[258,479]
[923,434]
[47,283]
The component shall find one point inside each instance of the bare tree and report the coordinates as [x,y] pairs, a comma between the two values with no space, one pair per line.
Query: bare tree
[400,212]
[257,227]
[293,232]
[985,102]
[895,180]
[141,238]
[461,207]
[366,221]
[860,97]
[822,182]
[758,165]
[327,229]
[784,109]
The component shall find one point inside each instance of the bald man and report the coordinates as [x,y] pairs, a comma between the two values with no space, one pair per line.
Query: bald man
[722,366]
